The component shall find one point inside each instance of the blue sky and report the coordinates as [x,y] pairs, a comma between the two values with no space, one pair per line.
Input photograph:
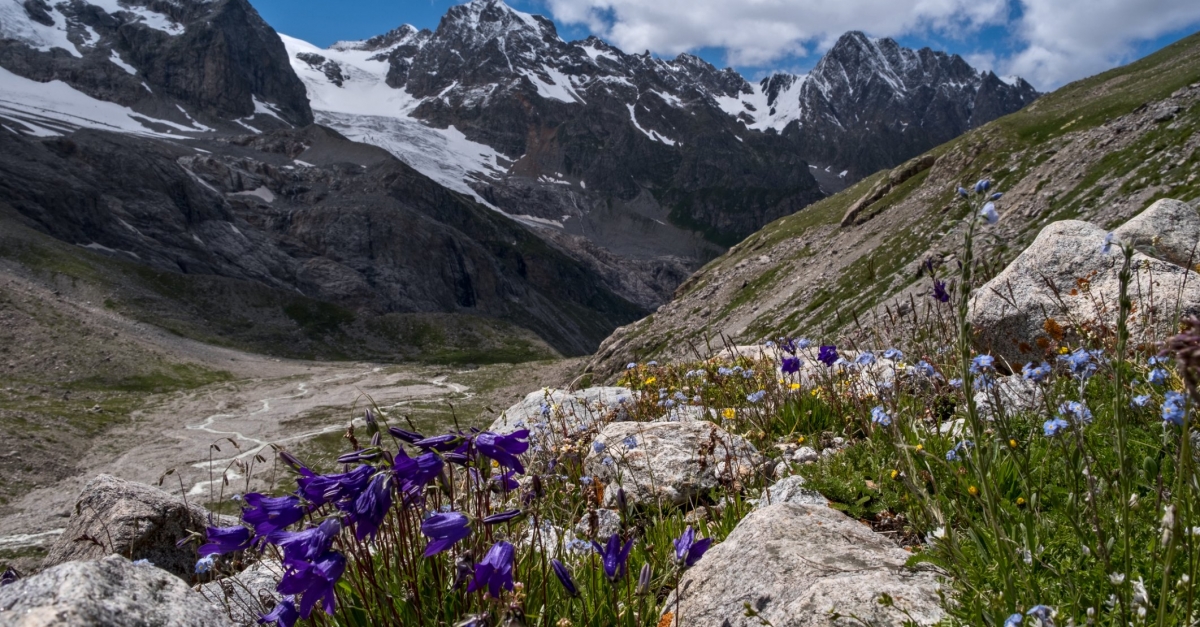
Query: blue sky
[1049,42]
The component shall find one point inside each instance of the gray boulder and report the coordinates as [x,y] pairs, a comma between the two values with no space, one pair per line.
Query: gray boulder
[607,522]
[796,565]
[549,413]
[1168,230]
[1065,277]
[247,595]
[1014,393]
[131,519]
[112,592]
[669,462]
[790,490]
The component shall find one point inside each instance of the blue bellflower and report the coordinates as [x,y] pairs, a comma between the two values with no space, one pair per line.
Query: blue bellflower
[880,417]
[1159,376]
[1081,362]
[1036,374]
[1054,426]
[989,213]
[1174,408]
[827,355]
[865,358]
[495,571]
[791,365]
[893,354]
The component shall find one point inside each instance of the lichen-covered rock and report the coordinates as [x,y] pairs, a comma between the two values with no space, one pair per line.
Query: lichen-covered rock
[247,595]
[1168,230]
[548,414]
[131,519]
[790,490]
[1063,281]
[667,462]
[604,522]
[795,565]
[112,592]
[1015,394]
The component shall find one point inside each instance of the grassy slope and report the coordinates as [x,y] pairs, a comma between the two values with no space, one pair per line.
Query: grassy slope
[1091,150]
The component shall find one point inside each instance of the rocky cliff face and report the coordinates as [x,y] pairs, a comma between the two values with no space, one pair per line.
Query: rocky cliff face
[216,59]
[305,211]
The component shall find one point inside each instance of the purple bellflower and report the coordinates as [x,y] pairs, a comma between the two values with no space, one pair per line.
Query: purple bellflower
[223,540]
[267,513]
[688,550]
[371,507]
[314,581]
[444,530]
[939,291]
[495,571]
[284,614]
[504,448]
[564,577]
[307,545]
[791,365]
[614,556]
[827,355]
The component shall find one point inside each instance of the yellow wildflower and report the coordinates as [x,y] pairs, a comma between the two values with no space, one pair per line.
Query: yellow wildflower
[728,413]
[1012,443]
[651,380]
[920,447]
[1020,501]
[973,491]
[794,386]
[1063,350]
[800,440]
[895,473]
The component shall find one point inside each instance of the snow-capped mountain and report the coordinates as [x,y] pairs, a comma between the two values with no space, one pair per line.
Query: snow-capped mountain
[147,66]
[638,167]
[870,103]
[574,135]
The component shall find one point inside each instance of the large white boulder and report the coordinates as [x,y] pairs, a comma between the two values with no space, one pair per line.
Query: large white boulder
[549,414]
[112,592]
[131,519]
[797,565]
[668,462]
[1065,277]
[1168,230]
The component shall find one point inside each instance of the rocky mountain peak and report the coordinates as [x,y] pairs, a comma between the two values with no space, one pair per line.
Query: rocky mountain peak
[481,21]
[405,35]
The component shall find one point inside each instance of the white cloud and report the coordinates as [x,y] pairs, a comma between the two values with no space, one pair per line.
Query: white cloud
[1070,39]
[1053,41]
[761,32]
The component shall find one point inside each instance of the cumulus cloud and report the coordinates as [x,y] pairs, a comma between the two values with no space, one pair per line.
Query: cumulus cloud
[1052,41]
[1069,39]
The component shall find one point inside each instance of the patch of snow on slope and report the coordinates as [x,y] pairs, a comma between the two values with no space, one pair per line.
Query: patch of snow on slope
[558,89]
[366,110]
[117,61]
[785,109]
[16,24]
[55,105]
[595,54]
[154,20]
[670,99]
[651,133]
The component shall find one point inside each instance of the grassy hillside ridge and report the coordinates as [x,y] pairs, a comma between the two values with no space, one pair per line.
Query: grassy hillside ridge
[1100,149]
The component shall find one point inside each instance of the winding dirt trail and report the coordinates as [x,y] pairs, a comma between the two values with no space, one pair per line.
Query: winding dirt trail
[294,401]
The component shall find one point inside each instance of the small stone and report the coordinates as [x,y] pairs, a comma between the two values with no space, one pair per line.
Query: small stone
[805,455]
